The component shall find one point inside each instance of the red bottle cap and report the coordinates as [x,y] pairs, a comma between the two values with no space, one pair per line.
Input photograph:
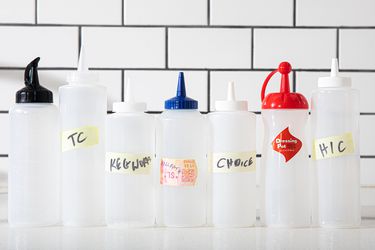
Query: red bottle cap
[283,99]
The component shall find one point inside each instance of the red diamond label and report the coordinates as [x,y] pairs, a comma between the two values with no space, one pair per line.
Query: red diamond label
[286,144]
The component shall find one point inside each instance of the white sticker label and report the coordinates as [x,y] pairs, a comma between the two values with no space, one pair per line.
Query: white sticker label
[125,163]
[230,162]
[81,137]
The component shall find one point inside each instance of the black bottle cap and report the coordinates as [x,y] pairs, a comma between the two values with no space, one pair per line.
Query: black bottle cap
[33,92]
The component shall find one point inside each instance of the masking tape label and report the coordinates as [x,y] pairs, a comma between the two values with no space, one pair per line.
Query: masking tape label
[178,172]
[82,137]
[125,163]
[333,146]
[237,162]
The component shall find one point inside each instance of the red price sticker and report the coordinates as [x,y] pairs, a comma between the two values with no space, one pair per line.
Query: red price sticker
[178,172]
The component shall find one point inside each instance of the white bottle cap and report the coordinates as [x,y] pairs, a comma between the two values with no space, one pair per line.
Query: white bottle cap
[82,75]
[334,80]
[129,105]
[231,104]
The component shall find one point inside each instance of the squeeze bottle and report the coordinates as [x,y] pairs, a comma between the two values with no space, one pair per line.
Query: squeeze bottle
[335,153]
[182,146]
[83,109]
[34,156]
[129,158]
[285,174]
[232,163]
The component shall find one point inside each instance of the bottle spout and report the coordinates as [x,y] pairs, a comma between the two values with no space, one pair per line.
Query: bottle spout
[334,67]
[31,73]
[285,68]
[128,92]
[82,65]
[230,92]
[181,90]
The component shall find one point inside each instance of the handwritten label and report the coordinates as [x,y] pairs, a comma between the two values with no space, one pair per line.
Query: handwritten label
[286,144]
[178,172]
[333,146]
[233,162]
[125,163]
[79,138]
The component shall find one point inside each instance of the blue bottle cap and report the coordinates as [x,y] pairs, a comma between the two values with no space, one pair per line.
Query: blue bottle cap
[181,101]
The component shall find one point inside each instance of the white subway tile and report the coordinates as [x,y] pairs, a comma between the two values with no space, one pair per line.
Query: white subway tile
[306,82]
[367,135]
[17,11]
[303,48]
[209,48]
[368,172]
[4,133]
[12,80]
[154,87]
[368,196]
[248,85]
[252,12]
[165,12]
[357,49]
[115,47]
[335,13]
[57,46]
[79,11]
[3,174]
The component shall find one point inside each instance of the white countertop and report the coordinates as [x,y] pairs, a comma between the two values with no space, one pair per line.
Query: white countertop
[92,238]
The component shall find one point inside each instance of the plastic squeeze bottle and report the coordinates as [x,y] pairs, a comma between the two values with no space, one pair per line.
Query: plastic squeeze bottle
[232,162]
[286,180]
[182,154]
[335,132]
[129,158]
[83,108]
[34,172]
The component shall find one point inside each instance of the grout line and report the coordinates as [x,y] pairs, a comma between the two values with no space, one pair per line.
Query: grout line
[191,69]
[367,156]
[208,90]
[4,155]
[122,85]
[122,13]
[166,48]
[186,26]
[294,13]
[36,12]
[338,45]
[79,39]
[252,49]
[4,111]
[208,12]
[294,81]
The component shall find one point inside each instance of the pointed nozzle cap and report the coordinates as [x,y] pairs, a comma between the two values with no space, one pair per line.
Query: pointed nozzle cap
[231,104]
[82,75]
[181,101]
[33,92]
[129,105]
[334,80]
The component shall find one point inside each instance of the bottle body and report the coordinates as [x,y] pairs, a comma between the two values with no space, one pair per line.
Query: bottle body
[335,114]
[34,173]
[83,109]
[233,168]
[285,173]
[182,168]
[129,180]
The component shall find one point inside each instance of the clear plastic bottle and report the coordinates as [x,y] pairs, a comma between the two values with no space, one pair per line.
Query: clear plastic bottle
[182,156]
[335,131]
[286,174]
[34,156]
[129,158]
[233,158]
[83,110]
